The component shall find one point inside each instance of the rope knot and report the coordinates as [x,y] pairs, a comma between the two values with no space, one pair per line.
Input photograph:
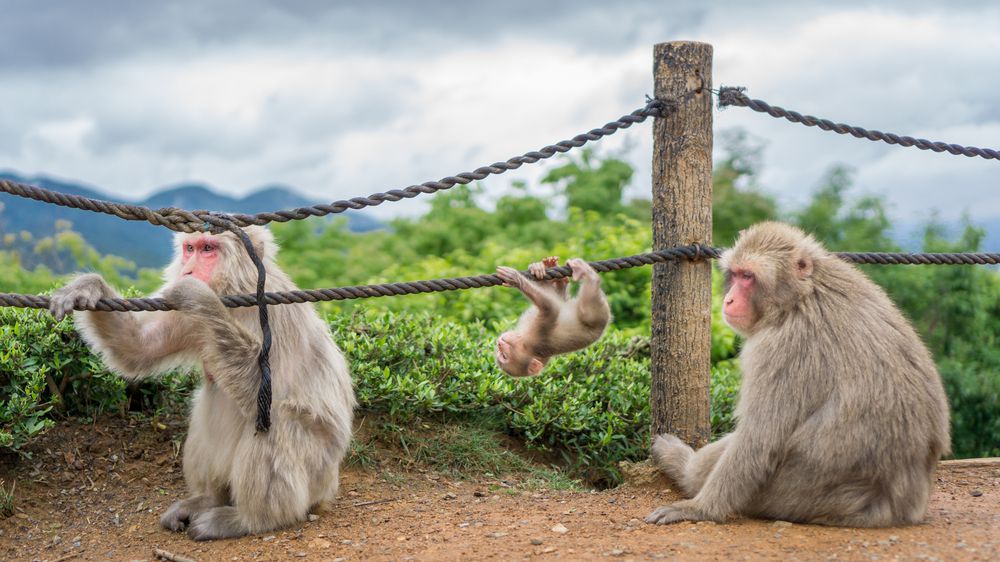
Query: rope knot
[731,95]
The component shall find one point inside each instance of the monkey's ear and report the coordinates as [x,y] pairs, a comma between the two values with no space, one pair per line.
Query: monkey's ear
[263,240]
[535,367]
[804,266]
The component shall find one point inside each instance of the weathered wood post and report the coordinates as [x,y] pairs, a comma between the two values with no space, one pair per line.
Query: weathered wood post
[682,214]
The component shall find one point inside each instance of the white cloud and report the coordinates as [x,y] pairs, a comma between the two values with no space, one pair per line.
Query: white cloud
[328,102]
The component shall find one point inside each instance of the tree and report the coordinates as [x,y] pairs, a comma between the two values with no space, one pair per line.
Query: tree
[737,202]
[591,183]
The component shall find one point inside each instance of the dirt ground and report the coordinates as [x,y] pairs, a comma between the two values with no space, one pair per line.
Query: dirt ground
[95,492]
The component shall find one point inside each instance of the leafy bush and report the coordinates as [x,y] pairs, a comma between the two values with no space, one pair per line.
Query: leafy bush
[47,371]
[974,394]
[590,407]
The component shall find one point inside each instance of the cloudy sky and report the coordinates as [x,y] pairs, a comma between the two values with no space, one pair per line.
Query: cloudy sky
[340,100]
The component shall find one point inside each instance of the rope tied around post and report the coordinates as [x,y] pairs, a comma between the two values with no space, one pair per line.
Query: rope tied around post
[734,95]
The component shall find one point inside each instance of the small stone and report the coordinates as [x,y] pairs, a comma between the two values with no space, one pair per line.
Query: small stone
[450,496]
[536,542]
[300,554]
[633,522]
[462,525]
[549,549]
[313,517]
[479,494]
[780,523]
[976,493]
[615,552]
[496,535]
[319,543]
[268,538]
[560,528]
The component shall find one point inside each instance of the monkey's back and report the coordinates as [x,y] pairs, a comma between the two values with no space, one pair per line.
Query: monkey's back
[871,412]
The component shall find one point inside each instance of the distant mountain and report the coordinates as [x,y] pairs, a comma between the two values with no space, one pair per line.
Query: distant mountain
[145,244]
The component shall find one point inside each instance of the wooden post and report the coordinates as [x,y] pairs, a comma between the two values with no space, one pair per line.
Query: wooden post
[682,214]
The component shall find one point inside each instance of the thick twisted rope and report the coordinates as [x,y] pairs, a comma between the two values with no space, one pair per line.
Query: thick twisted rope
[692,252]
[192,221]
[734,96]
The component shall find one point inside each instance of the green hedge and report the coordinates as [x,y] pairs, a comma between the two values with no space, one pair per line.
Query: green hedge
[590,407]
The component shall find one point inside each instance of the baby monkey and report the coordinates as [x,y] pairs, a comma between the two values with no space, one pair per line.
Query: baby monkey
[555,323]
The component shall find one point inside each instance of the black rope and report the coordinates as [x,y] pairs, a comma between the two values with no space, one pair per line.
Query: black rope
[693,252]
[264,359]
[193,221]
[729,95]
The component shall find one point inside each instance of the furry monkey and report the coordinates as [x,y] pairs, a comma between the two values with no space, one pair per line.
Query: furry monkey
[554,323]
[240,481]
[842,415]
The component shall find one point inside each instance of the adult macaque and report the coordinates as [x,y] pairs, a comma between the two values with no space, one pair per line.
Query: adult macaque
[240,481]
[842,416]
[555,323]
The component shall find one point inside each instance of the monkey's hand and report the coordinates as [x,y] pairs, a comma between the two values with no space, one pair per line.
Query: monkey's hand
[582,270]
[510,276]
[538,268]
[193,296]
[681,511]
[84,291]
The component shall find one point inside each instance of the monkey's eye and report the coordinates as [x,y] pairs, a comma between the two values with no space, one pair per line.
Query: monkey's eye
[208,248]
[189,248]
[748,275]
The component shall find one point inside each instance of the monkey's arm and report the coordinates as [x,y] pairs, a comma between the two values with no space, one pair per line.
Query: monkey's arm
[746,465]
[229,351]
[134,344]
[544,300]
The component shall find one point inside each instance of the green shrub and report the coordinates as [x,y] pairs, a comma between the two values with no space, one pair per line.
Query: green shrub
[974,396]
[590,407]
[47,371]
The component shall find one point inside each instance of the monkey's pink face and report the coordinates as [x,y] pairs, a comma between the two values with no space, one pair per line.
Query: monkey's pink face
[737,306]
[505,347]
[514,358]
[199,255]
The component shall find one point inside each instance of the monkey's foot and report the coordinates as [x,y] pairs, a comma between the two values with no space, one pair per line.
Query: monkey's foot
[216,523]
[510,276]
[176,517]
[675,513]
[671,455]
[581,269]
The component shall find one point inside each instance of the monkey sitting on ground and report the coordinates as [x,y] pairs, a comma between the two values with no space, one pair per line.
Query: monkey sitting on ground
[842,415]
[241,481]
[555,323]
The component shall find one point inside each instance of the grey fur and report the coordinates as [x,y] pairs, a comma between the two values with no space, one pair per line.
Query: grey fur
[241,482]
[842,415]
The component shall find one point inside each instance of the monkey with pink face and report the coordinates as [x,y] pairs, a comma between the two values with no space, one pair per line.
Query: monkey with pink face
[842,415]
[241,481]
[555,323]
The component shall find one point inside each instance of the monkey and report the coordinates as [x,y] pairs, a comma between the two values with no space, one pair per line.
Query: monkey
[241,481]
[842,415]
[554,323]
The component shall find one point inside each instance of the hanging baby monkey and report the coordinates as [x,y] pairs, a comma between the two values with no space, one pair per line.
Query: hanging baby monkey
[555,323]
